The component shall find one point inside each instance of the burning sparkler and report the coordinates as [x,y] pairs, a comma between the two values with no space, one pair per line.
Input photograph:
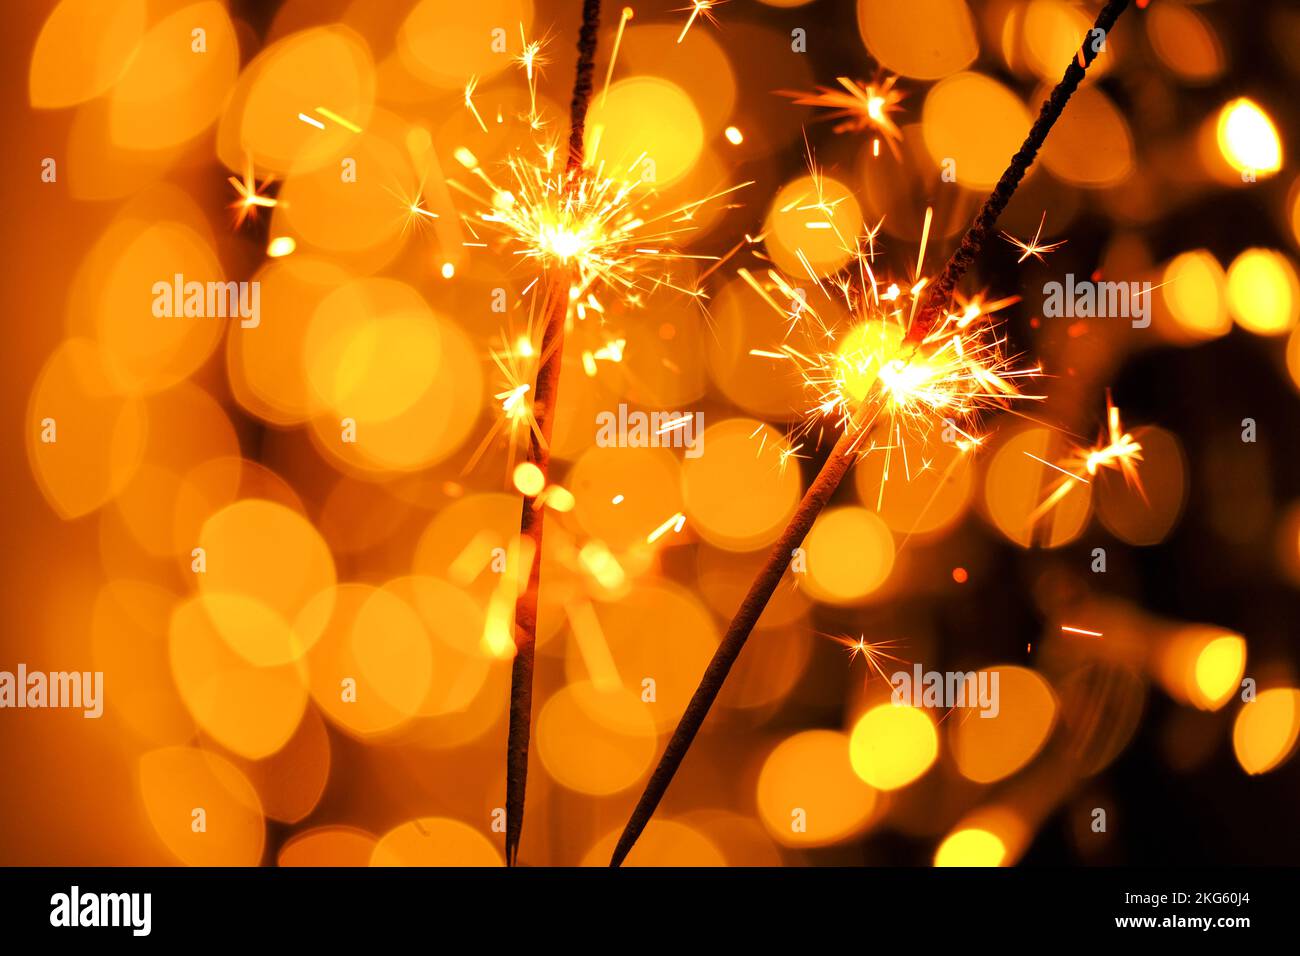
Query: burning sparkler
[904,382]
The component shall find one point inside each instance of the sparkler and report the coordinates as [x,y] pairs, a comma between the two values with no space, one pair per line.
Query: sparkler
[908,386]
[554,302]
[941,291]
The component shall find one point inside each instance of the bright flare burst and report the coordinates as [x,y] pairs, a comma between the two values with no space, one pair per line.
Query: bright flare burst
[860,106]
[1034,247]
[698,8]
[597,224]
[863,377]
[1116,449]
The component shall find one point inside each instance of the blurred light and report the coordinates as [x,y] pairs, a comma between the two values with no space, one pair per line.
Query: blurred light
[528,479]
[970,848]
[893,745]
[281,246]
[711,486]
[974,123]
[1248,139]
[1194,287]
[1263,292]
[1219,667]
[808,793]
[174,781]
[992,744]
[1184,42]
[435,841]
[595,741]
[1265,731]
[662,843]
[850,554]
[927,39]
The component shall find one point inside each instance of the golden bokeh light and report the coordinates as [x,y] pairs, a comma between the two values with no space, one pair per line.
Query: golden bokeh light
[891,745]
[812,219]
[328,846]
[1185,42]
[1263,292]
[646,128]
[249,709]
[264,563]
[83,48]
[202,808]
[144,114]
[850,552]
[435,841]
[1248,139]
[971,847]
[595,741]
[973,123]
[1195,289]
[1202,665]
[443,51]
[664,843]
[929,497]
[741,453]
[1265,731]
[926,39]
[83,441]
[658,633]
[809,794]
[1018,483]
[993,743]
[327,66]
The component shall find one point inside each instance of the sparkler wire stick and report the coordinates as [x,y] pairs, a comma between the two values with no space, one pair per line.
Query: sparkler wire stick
[843,455]
[941,292]
[555,305]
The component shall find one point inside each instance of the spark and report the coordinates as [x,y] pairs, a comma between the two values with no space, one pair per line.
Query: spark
[250,197]
[470,85]
[1033,247]
[1080,630]
[873,652]
[862,376]
[598,224]
[613,57]
[311,122]
[861,106]
[698,8]
[676,523]
[531,61]
[1116,449]
[347,124]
